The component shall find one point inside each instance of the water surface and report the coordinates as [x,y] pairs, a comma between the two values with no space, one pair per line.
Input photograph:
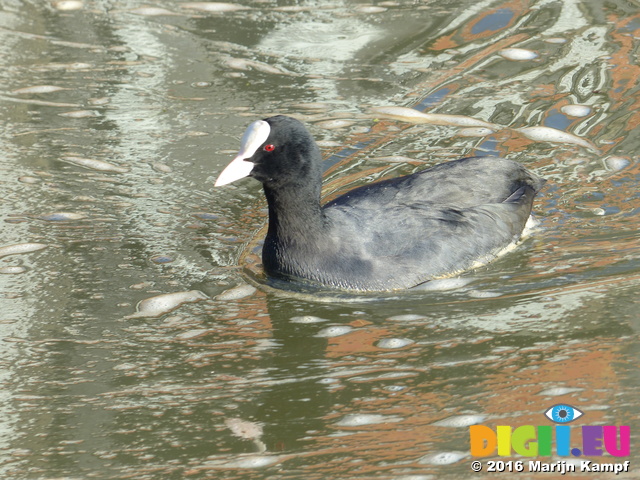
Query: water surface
[117,117]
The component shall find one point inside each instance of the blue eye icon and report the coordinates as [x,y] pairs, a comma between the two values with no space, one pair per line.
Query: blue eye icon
[562,413]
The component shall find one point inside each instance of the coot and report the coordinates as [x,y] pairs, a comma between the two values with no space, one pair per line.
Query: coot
[391,234]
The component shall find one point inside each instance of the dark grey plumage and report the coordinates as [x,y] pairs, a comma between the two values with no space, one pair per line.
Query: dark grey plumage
[392,234]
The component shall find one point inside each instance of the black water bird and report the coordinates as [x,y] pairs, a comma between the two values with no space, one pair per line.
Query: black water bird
[391,234]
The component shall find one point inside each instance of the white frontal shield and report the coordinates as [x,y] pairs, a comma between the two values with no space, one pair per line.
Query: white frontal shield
[255,135]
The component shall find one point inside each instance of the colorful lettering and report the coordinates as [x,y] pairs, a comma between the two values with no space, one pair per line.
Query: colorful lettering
[611,444]
[530,441]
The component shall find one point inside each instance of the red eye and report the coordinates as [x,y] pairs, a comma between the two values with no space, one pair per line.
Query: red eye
[270,147]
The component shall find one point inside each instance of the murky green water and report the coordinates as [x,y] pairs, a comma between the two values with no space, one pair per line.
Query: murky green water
[117,116]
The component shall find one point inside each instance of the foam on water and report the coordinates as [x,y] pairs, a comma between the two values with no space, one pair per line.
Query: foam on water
[94,164]
[334,331]
[307,319]
[360,419]
[235,293]
[443,458]
[161,304]
[557,391]
[392,343]
[460,421]
[213,7]
[553,135]
[21,248]
[576,110]
[518,54]
[415,116]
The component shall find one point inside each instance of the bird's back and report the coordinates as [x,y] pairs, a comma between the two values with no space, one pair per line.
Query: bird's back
[400,232]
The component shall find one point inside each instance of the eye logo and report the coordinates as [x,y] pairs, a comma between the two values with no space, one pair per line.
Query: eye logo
[562,413]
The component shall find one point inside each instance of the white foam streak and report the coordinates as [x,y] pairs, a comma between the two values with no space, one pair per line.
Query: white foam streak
[553,135]
[20,248]
[415,116]
[161,304]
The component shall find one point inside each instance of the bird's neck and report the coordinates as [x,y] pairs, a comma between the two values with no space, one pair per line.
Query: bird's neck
[295,215]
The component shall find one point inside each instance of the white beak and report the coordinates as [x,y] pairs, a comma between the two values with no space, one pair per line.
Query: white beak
[255,135]
[236,170]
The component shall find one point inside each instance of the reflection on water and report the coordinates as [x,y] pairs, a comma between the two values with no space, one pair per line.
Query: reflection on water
[118,114]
